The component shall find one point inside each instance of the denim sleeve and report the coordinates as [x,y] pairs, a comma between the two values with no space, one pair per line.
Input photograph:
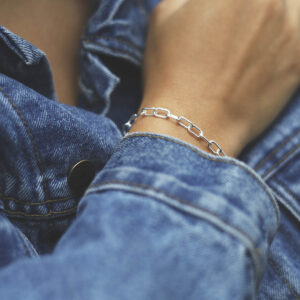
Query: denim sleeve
[162,220]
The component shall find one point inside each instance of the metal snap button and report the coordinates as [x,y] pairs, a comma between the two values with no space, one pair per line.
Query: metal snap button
[80,176]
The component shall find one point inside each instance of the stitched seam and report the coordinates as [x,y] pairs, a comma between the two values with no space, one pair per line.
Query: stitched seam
[287,205]
[37,155]
[255,249]
[286,188]
[212,159]
[184,202]
[108,38]
[285,157]
[273,152]
[273,265]
[115,50]
[51,213]
[6,198]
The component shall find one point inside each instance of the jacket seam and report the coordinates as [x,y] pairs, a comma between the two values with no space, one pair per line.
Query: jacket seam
[287,204]
[276,270]
[274,151]
[184,202]
[254,256]
[284,158]
[212,159]
[279,182]
[28,130]
[51,213]
[7,198]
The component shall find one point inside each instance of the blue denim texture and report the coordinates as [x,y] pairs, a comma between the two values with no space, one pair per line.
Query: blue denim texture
[161,219]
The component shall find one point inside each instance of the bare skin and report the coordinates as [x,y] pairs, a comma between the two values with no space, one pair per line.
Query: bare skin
[54,26]
[228,66]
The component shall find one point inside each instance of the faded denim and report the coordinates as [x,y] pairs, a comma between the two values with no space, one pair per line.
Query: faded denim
[161,219]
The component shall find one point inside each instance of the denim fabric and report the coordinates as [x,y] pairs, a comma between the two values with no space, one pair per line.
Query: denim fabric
[161,219]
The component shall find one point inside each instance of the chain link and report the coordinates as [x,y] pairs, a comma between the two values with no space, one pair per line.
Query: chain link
[164,113]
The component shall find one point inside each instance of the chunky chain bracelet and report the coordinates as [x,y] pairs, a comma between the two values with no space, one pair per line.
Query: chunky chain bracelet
[164,113]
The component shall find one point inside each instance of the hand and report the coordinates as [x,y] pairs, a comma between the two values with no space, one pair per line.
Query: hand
[228,66]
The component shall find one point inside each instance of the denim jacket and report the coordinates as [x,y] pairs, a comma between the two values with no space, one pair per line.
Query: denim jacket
[88,214]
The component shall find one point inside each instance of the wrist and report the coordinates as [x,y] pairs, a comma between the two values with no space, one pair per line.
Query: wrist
[229,139]
[167,127]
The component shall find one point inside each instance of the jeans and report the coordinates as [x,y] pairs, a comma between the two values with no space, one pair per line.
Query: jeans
[161,219]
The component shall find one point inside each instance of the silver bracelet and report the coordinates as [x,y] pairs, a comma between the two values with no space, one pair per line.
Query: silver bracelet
[164,113]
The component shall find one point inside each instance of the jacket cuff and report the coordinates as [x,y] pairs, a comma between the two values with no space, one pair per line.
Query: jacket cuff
[220,190]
